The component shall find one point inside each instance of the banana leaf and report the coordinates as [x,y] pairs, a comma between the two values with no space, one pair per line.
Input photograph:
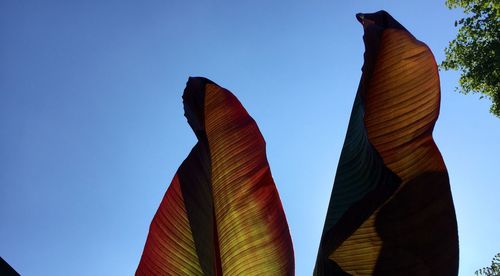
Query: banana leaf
[391,210]
[222,214]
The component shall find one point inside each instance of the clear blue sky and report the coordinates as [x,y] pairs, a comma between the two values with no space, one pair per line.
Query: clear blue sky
[92,127]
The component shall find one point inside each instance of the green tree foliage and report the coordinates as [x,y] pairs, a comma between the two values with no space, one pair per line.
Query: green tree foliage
[476,49]
[493,270]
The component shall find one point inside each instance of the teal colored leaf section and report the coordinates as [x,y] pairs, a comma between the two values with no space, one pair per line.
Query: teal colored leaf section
[361,174]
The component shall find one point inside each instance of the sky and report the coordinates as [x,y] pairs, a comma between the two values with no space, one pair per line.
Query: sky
[92,127]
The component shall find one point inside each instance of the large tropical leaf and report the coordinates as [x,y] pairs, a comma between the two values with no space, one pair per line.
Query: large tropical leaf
[391,210]
[221,214]
[6,269]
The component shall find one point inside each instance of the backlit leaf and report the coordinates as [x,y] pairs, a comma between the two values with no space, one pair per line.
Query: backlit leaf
[221,214]
[391,210]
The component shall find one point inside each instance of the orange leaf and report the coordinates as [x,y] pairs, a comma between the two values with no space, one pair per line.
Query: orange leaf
[398,218]
[222,214]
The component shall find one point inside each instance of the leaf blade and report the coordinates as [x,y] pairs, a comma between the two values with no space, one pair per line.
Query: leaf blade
[231,220]
[400,95]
